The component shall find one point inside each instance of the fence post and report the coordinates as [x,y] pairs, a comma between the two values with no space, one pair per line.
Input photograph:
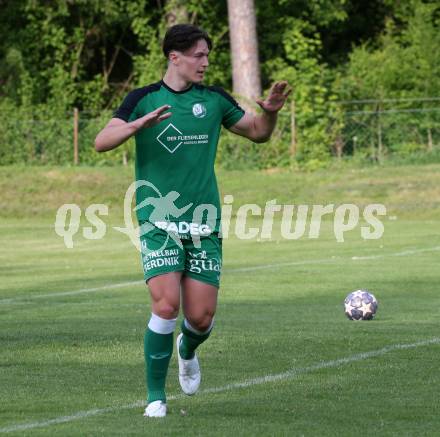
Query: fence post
[292,129]
[355,138]
[75,135]
[379,134]
[429,140]
[379,140]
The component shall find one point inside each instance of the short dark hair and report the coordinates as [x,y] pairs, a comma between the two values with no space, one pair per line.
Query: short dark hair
[181,37]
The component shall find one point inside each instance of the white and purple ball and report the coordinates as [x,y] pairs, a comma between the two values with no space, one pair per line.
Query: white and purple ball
[360,305]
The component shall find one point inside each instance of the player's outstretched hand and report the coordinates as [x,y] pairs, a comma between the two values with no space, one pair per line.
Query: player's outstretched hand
[276,98]
[154,117]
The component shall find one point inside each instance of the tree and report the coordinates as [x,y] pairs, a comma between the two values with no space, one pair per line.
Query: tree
[244,50]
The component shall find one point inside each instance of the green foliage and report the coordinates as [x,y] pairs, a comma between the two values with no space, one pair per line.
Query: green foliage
[407,63]
[312,80]
[33,136]
[58,54]
[405,66]
[236,152]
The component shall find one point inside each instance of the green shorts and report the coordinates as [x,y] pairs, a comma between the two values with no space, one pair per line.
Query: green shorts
[199,259]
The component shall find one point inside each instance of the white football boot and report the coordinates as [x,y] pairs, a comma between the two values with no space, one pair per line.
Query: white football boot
[156,409]
[189,372]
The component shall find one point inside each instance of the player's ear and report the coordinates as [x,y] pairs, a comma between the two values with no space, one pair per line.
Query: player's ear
[173,57]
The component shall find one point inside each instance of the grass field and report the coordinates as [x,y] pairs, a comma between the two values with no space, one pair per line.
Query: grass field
[282,360]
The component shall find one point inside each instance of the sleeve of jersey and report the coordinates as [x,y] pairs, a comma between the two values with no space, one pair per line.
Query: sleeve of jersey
[126,110]
[232,112]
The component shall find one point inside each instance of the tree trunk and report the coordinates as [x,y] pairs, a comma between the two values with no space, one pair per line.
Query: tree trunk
[244,51]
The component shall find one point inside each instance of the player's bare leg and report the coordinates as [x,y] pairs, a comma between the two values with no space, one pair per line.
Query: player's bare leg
[165,294]
[158,341]
[199,301]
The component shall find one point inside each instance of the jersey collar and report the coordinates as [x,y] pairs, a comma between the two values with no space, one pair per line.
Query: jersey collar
[174,91]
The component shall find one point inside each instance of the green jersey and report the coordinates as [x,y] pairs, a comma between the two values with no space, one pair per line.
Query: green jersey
[175,158]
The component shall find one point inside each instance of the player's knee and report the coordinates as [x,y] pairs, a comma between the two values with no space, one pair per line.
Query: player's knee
[202,322]
[166,310]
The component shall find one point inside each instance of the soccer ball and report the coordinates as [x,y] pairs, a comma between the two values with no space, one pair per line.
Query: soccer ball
[360,305]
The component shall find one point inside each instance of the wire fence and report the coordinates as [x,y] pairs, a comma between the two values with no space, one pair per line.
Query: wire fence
[374,129]
[66,139]
[379,128]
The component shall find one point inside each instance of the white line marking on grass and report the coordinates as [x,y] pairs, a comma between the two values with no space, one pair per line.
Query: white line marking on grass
[73,292]
[237,270]
[335,258]
[290,374]
[292,263]
[403,253]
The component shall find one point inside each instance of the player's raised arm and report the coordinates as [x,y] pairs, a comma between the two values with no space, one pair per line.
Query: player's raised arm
[118,131]
[259,128]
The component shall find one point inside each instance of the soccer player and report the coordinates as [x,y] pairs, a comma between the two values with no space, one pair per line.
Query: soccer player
[176,123]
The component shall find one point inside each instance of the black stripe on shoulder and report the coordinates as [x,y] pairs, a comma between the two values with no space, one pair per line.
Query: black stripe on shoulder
[227,96]
[129,104]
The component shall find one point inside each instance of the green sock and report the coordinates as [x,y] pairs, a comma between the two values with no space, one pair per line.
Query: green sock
[158,349]
[190,341]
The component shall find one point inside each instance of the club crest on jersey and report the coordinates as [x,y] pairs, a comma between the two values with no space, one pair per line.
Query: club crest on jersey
[199,110]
